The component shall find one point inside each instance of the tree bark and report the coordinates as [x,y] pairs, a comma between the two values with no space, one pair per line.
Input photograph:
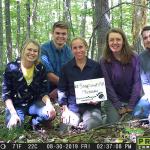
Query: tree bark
[28,18]
[139,20]
[1,37]
[8,30]
[83,21]
[18,27]
[103,24]
[93,49]
[67,17]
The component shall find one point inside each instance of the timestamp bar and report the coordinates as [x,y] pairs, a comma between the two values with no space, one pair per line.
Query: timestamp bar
[68,146]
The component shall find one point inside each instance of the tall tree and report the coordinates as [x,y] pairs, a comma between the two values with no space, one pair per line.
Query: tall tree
[93,42]
[18,26]
[103,23]
[8,30]
[28,18]
[112,17]
[58,8]
[83,21]
[1,37]
[120,22]
[67,15]
[33,18]
[138,21]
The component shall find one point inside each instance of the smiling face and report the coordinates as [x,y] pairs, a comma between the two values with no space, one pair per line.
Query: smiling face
[146,38]
[30,53]
[79,49]
[115,42]
[59,37]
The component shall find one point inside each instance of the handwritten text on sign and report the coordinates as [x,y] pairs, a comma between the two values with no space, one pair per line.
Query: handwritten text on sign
[90,90]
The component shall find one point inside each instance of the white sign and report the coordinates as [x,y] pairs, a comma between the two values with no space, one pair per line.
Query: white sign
[90,90]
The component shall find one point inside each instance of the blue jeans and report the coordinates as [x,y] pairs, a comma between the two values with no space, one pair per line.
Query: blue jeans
[35,110]
[142,109]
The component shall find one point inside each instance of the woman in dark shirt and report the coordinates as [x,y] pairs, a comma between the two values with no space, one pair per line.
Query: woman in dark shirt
[24,89]
[121,71]
[79,68]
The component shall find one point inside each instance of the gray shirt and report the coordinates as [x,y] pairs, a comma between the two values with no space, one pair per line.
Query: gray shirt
[145,70]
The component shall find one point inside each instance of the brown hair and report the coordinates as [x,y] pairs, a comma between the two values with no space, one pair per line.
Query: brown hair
[60,24]
[25,45]
[146,28]
[126,52]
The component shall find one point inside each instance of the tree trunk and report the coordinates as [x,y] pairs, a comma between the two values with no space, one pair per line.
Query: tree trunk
[28,18]
[1,37]
[83,21]
[112,17]
[8,30]
[93,42]
[67,16]
[139,20]
[120,22]
[102,21]
[18,28]
[33,18]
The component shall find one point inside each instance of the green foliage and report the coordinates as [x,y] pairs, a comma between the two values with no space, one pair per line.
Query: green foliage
[126,21]
[50,11]
[10,135]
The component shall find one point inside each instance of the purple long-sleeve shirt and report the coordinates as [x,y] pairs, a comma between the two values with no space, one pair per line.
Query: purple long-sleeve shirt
[123,83]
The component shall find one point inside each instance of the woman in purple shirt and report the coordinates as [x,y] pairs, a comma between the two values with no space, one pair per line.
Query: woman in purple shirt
[120,66]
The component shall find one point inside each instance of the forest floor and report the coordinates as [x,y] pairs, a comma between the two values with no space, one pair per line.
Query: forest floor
[125,131]
[122,132]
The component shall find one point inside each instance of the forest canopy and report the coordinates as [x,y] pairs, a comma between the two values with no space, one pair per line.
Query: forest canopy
[90,19]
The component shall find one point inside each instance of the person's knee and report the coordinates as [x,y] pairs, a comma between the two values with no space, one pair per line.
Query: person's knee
[92,119]
[141,112]
[142,109]
[112,117]
[92,123]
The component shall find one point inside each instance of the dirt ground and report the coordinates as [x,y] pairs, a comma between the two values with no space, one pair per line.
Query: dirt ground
[122,132]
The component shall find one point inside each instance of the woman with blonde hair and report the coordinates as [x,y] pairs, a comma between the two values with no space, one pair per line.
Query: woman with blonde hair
[24,89]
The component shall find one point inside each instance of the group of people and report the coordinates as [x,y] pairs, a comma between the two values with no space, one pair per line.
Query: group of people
[46,74]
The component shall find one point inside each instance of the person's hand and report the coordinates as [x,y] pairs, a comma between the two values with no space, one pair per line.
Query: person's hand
[128,110]
[70,118]
[122,110]
[93,102]
[14,121]
[65,117]
[50,110]
[53,95]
